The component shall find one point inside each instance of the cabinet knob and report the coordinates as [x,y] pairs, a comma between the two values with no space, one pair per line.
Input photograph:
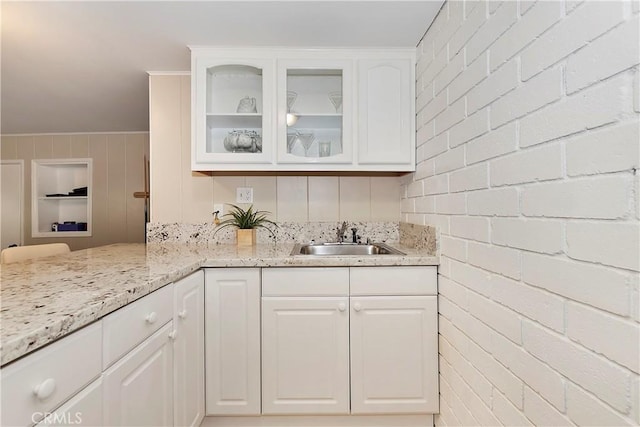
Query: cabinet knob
[151,317]
[342,306]
[182,314]
[45,388]
[173,334]
[357,306]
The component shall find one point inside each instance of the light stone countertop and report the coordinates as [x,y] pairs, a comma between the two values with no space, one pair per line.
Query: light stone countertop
[45,299]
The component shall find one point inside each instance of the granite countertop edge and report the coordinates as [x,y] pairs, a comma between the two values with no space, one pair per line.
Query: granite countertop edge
[45,300]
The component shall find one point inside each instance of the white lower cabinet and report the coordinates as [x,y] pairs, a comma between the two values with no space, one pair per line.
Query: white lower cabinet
[84,409]
[35,386]
[394,357]
[188,350]
[140,365]
[360,340]
[232,341]
[138,388]
[305,355]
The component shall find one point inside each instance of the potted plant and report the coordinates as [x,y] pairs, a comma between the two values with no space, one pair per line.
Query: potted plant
[246,222]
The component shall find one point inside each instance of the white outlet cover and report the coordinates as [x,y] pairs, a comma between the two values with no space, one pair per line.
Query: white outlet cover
[244,195]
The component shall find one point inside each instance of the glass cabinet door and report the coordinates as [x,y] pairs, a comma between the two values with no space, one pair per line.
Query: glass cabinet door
[235,111]
[314,125]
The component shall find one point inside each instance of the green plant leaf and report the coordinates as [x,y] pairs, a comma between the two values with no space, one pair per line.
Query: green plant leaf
[246,219]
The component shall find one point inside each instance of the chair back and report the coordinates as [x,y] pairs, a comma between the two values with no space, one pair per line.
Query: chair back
[21,253]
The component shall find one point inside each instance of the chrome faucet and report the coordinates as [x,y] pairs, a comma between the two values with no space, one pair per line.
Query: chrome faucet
[340,232]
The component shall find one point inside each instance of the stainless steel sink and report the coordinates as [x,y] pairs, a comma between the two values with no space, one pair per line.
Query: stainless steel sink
[343,249]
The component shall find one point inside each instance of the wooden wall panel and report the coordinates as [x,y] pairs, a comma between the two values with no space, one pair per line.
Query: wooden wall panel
[165,117]
[197,188]
[9,147]
[116,192]
[117,172]
[61,147]
[137,147]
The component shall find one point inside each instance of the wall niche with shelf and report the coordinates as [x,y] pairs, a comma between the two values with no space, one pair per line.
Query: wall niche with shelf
[61,197]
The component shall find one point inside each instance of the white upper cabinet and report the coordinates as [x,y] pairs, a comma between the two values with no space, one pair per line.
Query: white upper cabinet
[232,109]
[303,109]
[313,125]
[386,123]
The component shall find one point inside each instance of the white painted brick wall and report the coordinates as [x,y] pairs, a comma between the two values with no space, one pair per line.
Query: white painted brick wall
[500,202]
[617,246]
[535,235]
[579,281]
[584,110]
[540,164]
[497,84]
[450,72]
[529,301]
[505,16]
[541,90]
[610,149]
[472,75]
[605,197]
[435,146]
[541,412]
[473,380]
[473,126]
[494,258]
[496,316]
[450,160]
[449,117]
[536,374]
[528,165]
[586,23]
[470,227]
[502,378]
[605,57]
[586,409]
[595,373]
[538,19]
[508,414]
[472,178]
[494,144]
[612,336]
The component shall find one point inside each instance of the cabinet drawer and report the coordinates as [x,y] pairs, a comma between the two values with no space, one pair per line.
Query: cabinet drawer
[331,281]
[84,409]
[394,281]
[129,326]
[40,382]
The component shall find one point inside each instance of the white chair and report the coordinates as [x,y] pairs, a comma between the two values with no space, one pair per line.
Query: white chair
[21,253]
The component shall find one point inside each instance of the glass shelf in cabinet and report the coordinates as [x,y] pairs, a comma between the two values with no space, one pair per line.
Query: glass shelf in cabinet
[318,121]
[225,121]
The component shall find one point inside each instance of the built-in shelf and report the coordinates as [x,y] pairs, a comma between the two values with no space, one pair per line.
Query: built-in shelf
[60,176]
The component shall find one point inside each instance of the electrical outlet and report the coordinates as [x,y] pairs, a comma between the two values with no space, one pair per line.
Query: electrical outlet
[220,208]
[244,195]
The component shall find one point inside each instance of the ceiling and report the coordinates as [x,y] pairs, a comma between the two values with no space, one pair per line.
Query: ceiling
[81,66]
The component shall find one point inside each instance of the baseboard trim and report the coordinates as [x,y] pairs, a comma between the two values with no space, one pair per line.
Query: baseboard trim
[321,421]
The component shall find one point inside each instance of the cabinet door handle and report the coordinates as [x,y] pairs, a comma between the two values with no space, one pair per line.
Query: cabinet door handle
[182,314]
[45,388]
[151,317]
[357,306]
[173,334]
[342,306]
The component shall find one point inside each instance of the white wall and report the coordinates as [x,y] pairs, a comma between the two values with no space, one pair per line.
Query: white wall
[528,147]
